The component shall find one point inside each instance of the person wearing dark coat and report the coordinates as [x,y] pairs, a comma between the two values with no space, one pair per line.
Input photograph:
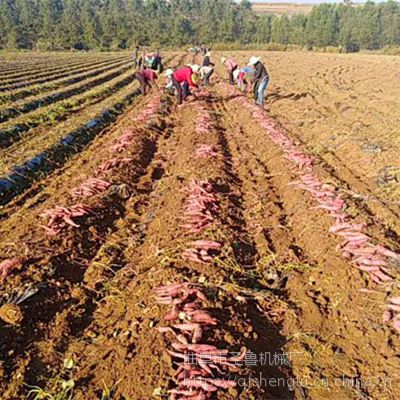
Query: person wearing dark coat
[136,57]
[261,80]
[207,60]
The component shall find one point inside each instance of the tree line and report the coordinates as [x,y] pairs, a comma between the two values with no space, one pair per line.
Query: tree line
[122,24]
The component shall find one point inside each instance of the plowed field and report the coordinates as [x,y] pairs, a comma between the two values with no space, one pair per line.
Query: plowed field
[137,238]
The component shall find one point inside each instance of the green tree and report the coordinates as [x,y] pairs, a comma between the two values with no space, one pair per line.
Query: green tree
[91,28]
[263,26]
[297,31]
[49,28]
[121,24]
[9,22]
[390,23]
[369,26]
[28,13]
[71,29]
[322,26]
[280,29]
[348,38]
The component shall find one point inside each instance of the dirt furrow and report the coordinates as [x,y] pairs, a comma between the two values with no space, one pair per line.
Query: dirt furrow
[59,72]
[58,110]
[52,99]
[73,77]
[37,66]
[60,307]
[322,290]
[152,240]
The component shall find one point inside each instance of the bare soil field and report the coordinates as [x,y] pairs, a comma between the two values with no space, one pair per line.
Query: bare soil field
[346,110]
[216,250]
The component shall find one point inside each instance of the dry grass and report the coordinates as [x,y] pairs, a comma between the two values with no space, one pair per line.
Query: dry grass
[282,8]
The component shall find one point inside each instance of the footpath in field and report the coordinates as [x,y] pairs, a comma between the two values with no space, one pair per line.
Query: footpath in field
[181,255]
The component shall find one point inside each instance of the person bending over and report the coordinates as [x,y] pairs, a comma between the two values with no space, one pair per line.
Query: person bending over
[147,78]
[182,80]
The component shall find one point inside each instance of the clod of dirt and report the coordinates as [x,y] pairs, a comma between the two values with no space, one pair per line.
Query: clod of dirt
[389,174]
[11,314]
[371,148]
[121,191]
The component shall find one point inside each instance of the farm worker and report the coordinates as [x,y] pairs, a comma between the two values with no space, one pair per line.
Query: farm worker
[149,60]
[193,50]
[146,78]
[153,61]
[207,60]
[261,79]
[243,77]
[169,86]
[136,58]
[196,74]
[182,80]
[230,65]
[205,74]
[159,64]
[141,62]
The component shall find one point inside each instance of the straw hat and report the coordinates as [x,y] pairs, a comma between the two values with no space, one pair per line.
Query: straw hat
[254,60]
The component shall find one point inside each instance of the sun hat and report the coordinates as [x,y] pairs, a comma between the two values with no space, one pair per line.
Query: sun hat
[169,72]
[196,78]
[254,60]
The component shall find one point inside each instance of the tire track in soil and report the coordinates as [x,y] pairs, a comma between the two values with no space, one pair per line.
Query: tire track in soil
[60,309]
[317,323]
[149,243]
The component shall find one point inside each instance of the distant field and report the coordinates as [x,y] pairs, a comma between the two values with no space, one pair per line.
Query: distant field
[282,8]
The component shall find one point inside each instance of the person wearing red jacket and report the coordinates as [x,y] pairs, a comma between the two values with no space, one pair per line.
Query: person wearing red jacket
[182,80]
[146,78]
